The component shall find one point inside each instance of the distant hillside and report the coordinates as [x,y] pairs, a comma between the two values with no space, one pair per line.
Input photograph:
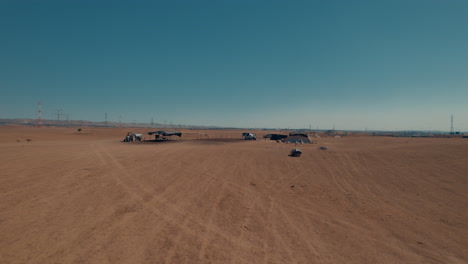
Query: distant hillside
[47,122]
[77,123]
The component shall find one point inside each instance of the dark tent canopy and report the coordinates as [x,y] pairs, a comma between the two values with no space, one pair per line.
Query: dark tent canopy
[297,133]
[275,136]
[166,133]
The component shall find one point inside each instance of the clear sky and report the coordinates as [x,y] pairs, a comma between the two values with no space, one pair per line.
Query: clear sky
[396,64]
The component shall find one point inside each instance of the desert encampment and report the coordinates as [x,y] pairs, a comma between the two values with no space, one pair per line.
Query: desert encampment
[86,197]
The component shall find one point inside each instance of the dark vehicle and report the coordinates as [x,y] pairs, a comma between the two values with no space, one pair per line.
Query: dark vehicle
[296,152]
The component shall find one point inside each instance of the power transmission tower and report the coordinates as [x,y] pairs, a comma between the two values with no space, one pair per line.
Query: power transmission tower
[105,116]
[59,113]
[39,114]
[451,126]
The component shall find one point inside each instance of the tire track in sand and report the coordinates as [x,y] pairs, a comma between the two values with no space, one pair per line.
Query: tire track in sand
[101,158]
[299,234]
[271,195]
[212,214]
[170,216]
[177,241]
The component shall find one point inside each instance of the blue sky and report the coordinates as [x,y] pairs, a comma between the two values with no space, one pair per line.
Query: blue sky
[356,64]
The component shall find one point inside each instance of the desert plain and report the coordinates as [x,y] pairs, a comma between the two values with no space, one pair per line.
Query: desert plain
[86,197]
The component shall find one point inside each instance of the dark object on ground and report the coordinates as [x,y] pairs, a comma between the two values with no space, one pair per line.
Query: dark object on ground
[296,153]
[324,148]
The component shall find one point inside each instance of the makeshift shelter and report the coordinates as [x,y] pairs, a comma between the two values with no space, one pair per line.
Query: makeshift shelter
[301,139]
[275,136]
[298,133]
[162,134]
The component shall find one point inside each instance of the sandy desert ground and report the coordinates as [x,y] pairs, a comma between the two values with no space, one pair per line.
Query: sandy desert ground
[86,197]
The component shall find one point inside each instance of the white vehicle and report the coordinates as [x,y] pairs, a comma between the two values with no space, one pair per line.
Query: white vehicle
[249,136]
[132,137]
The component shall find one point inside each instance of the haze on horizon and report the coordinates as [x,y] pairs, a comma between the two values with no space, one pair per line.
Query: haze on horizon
[381,65]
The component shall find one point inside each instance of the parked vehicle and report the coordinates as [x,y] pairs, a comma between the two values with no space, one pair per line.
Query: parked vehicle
[132,137]
[295,152]
[249,136]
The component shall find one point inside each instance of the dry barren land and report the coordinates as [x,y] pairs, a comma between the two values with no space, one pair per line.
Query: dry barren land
[86,197]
